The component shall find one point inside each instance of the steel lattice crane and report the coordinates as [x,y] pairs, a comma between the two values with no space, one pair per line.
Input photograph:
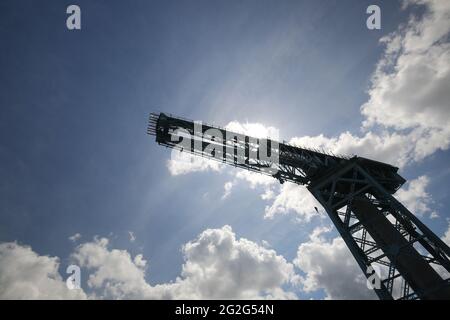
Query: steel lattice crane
[357,194]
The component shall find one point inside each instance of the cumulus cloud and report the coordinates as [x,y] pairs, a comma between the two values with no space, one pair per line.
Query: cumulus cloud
[293,198]
[26,275]
[415,197]
[329,265]
[388,147]
[284,199]
[411,85]
[257,130]
[217,265]
[183,163]
[114,274]
[255,179]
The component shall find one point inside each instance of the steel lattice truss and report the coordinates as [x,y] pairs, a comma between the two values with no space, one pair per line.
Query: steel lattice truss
[379,230]
[357,194]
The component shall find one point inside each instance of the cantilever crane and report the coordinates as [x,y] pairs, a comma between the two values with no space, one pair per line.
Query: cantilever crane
[357,194]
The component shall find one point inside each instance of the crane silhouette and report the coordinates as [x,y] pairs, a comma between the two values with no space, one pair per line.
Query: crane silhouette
[356,192]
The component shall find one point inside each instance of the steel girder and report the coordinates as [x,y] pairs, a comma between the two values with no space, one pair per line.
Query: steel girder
[381,232]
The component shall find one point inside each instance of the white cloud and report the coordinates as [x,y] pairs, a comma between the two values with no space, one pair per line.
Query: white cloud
[330,266]
[295,198]
[411,85]
[289,198]
[217,265]
[27,275]
[114,274]
[255,179]
[75,237]
[415,197]
[183,163]
[256,130]
[387,147]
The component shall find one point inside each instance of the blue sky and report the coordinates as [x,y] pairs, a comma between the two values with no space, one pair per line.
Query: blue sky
[74,156]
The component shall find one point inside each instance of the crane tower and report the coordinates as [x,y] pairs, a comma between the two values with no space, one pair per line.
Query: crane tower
[356,192]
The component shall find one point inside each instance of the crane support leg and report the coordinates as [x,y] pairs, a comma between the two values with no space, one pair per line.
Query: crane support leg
[379,231]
